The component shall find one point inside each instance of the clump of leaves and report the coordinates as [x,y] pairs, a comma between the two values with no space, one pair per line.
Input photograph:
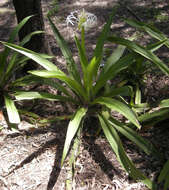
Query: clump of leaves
[10,63]
[143,57]
[150,119]
[154,33]
[91,94]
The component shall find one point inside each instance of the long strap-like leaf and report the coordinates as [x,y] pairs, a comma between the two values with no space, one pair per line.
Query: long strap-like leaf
[6,51]
[142,51]
[142,143]
[71,65]
[164,175]
[120,107]
[22,95]
[114,57]
[117,147]
[73,84]
[31,79]
[34,56]
[98,52]
[73,157]
[150,119]
[13,114]
[83,61]
[14,61]
[73,127]
[151,30]
[120,65]
[122,91]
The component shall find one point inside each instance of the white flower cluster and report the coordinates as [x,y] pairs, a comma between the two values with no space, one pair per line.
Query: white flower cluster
[72,19]
[75,16]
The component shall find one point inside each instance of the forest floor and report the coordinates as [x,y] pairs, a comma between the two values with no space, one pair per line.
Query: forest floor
[30,159]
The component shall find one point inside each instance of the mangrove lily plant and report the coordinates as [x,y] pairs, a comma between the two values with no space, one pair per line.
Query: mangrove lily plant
[10,63]
[143,58]
[91,93]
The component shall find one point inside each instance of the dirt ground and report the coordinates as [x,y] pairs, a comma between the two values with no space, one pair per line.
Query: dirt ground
[30,159]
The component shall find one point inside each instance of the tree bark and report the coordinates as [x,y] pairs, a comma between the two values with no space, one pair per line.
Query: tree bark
[26,8]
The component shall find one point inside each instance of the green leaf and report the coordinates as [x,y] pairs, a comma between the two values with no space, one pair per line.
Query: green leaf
[6,51]
[154,117]
[26,80]
[29,114]
[34,56]
[17,29]
[122,91]
[29,36]
[10,67]
[21,61]
[151,30]
[22,95]
[166,185]
[73,127]
[101,40]
[164,175]
[73,84]
[142,51]
[73,157]
[11,110]
[120,107]
[83,40]
[83,61]
[91,72]
[140,108]
[46,56]
[138,95]
[15,63]
[47,74]
[54,119]
[114,57]
[120,65]
[142,143]
[164,103]
[155,46]
[117,147]
[31,79]
[83,58]
[164,172]
[71,65]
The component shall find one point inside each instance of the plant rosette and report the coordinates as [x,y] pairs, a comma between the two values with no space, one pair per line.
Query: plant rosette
[10,64]
[91,93]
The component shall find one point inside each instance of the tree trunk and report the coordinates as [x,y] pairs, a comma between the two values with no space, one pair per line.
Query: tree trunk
[26,8]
